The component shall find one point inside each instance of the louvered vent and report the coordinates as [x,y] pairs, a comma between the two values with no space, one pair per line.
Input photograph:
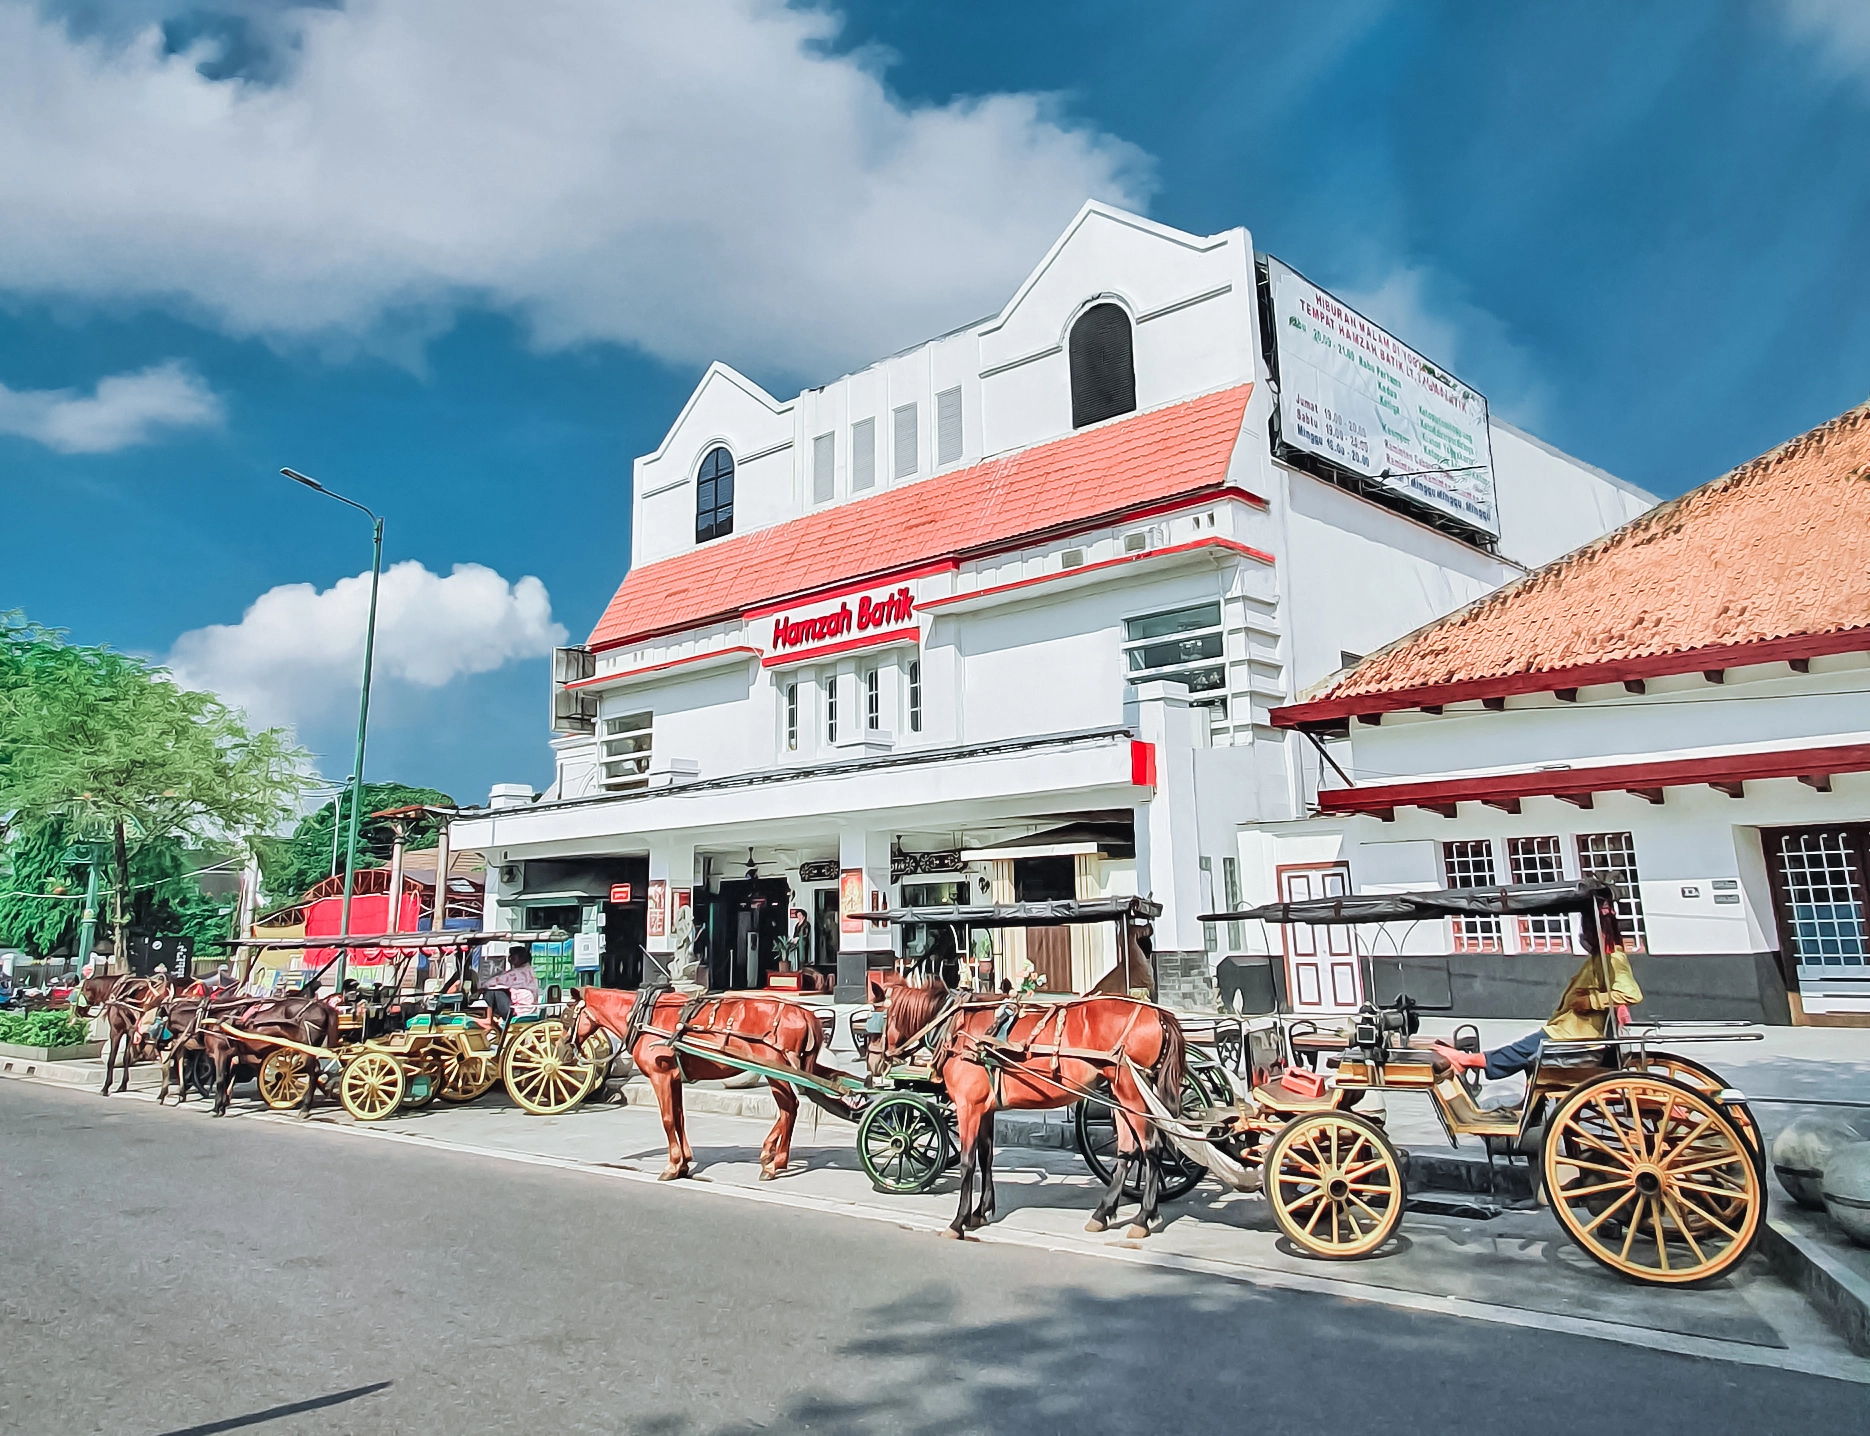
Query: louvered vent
[824,474]
[904,420]
[948,426]
[864,454]
[1072,558]
[1103,366]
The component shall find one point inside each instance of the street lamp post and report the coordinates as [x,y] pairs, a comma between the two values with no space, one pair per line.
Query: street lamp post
[363,704]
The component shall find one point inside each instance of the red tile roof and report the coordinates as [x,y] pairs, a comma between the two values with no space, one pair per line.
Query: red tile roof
[1770,562]
[1065,484]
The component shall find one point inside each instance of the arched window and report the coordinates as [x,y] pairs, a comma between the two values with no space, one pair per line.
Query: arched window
[1103,366]
[714,496]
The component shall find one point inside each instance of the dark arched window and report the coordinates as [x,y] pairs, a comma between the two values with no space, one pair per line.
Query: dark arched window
[1103,366]
[714,496]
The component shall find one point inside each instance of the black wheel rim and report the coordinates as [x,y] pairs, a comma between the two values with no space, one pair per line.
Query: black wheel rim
[904,1149]
[1096,1130]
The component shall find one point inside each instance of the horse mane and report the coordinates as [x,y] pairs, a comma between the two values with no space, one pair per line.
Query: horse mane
[913,1007]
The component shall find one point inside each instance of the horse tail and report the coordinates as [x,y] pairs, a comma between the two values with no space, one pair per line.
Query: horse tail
[1172,1061]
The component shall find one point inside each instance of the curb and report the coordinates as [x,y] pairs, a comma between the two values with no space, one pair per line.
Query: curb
[1841,1295]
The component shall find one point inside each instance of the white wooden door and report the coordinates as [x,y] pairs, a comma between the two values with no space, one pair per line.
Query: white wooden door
[1322,971]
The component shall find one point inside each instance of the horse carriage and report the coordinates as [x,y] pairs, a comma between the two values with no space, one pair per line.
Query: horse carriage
[1651,1163]
[391,1048]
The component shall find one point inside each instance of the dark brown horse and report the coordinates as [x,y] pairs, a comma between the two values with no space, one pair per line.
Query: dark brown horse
[1051,1055]
[238,1035]
[769,1031]
[123,1001]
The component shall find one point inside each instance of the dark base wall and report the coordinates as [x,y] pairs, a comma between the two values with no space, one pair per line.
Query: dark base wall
[1695,987]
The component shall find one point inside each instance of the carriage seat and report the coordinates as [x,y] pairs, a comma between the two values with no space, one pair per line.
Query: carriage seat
[1276,1097]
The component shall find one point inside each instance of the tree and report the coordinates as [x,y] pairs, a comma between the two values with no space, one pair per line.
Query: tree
[302,861]
[113,749]
[39,903]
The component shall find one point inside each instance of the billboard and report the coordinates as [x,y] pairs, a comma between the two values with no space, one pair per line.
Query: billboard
[1361,399]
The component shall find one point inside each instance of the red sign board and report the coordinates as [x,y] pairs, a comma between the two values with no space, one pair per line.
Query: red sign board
[619,892]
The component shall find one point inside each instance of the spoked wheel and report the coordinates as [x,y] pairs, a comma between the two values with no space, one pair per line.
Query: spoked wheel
[1651,1178]
[284,1077]
[1335,1184]
[1095,1128]
[466,1075]
[372,1086]
[546,1078]
[903,1143]
[1710,1084]
[422,1084]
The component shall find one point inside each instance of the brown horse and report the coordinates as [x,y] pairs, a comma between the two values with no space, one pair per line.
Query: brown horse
[304,1018]
[123,1001]
[1051,1056]
[770,1031]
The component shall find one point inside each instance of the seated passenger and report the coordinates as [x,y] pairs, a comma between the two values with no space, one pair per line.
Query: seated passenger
[519,982]
[1581,1014]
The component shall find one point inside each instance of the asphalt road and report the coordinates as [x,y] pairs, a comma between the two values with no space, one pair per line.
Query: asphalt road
[167,1273]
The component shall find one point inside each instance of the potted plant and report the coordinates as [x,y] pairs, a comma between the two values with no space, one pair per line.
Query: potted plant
[53,1035]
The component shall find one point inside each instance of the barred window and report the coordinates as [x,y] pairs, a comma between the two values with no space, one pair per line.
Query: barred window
[1611,857]
[873,702]
[915,695]
[831,707]
[792,717]
[1539,860]
[1468,863]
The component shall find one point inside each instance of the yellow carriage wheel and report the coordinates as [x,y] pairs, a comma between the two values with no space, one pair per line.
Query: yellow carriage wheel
[284,1076]
[1335,1184]
[372,1086]
[1651,1179]
[466,1075]
[544,1077]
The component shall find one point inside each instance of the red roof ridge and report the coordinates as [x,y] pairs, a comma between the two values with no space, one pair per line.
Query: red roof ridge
[1563,622]
[1093,475]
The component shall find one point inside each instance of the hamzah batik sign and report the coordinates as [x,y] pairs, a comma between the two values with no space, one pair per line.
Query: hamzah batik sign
[1359,398]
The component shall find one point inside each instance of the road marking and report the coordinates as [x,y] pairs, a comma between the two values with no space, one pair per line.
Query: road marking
[1842,1367]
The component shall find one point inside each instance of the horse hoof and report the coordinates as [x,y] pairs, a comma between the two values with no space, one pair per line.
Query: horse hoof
[1094,1225]
[950,1234]
[1136,1232]
[672,1174]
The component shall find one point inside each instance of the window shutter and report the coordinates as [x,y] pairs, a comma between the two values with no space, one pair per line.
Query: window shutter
[905,433]
[1103,366]
[864,454]
[948,426]
[824,478]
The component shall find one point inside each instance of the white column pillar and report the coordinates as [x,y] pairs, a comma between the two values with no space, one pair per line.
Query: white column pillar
[864,880]
[671,864]
[1167,837]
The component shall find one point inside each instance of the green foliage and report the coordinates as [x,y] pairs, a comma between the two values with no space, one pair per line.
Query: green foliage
[111,748]
[302,861]
[32,862]
[53,1027]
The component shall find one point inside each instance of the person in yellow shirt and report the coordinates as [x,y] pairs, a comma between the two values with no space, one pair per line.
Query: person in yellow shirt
[1581,1014]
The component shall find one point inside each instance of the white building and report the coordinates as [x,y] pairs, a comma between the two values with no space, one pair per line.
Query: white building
[1682,708]
[1010,609]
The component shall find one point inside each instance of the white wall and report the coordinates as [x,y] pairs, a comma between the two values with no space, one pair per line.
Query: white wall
[1551,503]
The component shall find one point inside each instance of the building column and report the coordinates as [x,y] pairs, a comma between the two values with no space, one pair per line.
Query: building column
[1168,841]
[863,882]
[672,864]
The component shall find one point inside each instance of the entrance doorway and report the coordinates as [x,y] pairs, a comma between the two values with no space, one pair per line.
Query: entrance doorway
[745,922]
[1048,949]
[1322,971]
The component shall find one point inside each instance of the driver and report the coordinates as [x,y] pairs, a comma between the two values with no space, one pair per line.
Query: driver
[1581,1014]
[519,982]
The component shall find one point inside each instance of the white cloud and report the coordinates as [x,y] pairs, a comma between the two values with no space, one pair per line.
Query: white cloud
[700,179]
[297,653]
[1419,308]
[123,411]
[1838,29]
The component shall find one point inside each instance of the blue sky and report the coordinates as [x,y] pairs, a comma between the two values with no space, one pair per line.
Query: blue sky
[463,261]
